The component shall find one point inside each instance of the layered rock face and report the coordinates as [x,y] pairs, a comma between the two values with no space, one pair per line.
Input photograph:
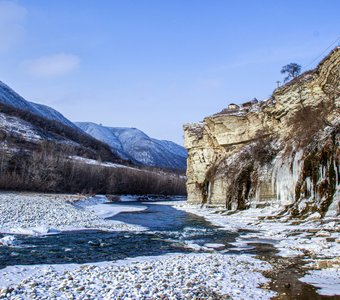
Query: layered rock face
[283,151]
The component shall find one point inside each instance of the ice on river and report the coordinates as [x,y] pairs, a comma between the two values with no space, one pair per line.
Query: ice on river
[7,240]
[322,239]
[319,239]
[100,206]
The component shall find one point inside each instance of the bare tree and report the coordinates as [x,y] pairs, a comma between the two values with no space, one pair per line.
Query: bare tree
[292,70]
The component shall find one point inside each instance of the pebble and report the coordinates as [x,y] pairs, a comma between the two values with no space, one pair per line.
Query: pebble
[42,212]
[178,276]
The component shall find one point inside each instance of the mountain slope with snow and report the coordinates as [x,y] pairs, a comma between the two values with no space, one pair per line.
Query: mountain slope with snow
[12,99]
[51,114]
[132,143]
[42,151]
[25,125]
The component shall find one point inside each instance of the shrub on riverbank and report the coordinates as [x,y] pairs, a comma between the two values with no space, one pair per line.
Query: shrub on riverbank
[50,170]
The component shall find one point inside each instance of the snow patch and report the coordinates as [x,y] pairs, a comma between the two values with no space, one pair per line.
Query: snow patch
[176,276]
[326,280]
[8,240]
[133,144]
[41,214]
[289,238]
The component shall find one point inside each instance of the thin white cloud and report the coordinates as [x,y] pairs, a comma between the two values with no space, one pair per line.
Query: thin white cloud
[52,65]
[12,17]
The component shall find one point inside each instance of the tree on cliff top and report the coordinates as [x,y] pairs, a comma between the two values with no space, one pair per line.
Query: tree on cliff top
[292,70]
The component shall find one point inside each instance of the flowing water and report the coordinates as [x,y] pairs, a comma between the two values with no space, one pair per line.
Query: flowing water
[169,230]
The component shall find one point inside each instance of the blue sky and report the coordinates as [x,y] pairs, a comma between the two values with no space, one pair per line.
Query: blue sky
[157,64]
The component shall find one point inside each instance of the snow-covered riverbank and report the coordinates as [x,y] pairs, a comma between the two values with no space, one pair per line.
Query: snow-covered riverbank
[170,276]
[318,242]
[202,274]
[29,213]
[173,276]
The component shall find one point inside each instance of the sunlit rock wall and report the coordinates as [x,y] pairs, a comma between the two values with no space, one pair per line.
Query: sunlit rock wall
[282,152]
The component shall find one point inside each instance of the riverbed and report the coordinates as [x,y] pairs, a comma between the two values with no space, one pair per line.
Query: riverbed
[167,231]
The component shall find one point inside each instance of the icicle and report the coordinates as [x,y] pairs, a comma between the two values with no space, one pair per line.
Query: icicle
[322,172]
[336,170]
[284,179]
[333,209]
[309,187]
[209,191]
[257,195]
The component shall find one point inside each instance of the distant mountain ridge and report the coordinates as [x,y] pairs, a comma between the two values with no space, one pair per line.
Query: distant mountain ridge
[42,151]
[10,98]
[134,144]
[25,125]
[35,123]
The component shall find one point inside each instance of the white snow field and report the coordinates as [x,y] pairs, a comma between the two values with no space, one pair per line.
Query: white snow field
[171,276]
[321,240]
[35,214]
[326,280]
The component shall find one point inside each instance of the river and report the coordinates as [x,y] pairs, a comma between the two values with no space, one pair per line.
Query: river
[169,231]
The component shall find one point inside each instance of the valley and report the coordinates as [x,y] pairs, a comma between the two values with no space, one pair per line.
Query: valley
[194,252]
[249,208]
[41,150]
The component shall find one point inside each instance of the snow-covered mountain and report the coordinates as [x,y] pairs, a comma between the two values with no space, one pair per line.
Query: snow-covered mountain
[34,122]
[12,99]
[41,150]
[24,125]
[132,143]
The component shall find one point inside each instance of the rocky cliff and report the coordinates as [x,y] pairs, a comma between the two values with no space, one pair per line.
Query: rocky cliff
[281,152]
